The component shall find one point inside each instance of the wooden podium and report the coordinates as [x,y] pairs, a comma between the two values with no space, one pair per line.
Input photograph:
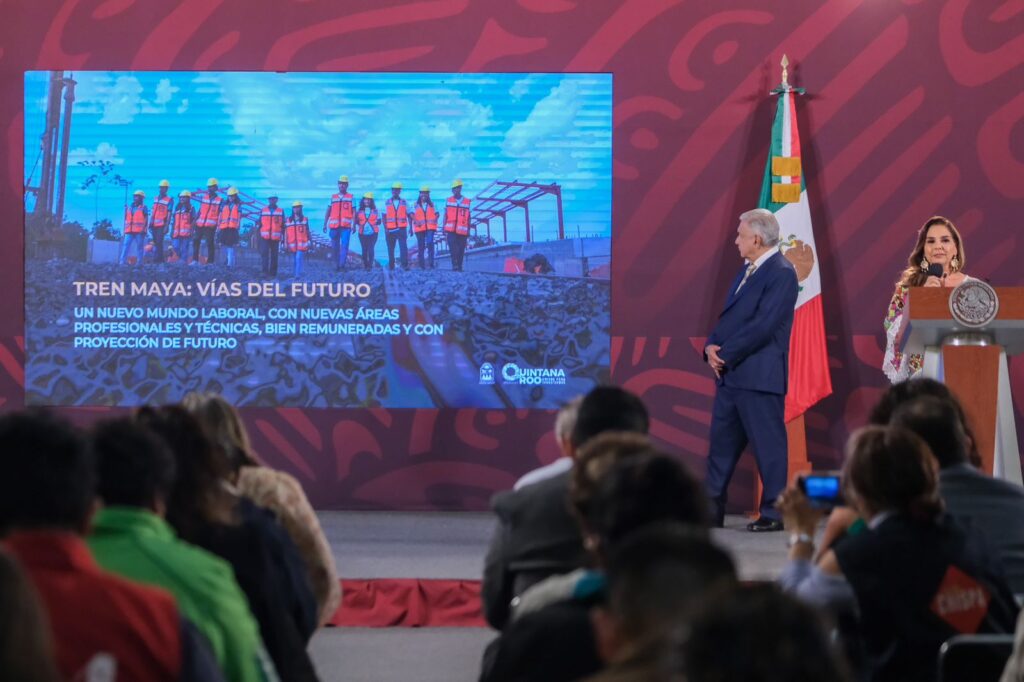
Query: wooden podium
[972,361]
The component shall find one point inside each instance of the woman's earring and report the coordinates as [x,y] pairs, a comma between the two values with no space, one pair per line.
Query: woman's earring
[954,264]
[924,265]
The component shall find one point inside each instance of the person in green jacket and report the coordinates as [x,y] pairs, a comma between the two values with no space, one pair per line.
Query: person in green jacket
[131,538]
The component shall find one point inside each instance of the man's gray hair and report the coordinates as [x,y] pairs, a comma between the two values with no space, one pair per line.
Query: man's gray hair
[565,422]
[764,224]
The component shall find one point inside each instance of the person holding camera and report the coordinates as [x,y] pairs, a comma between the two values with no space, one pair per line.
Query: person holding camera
[914,577]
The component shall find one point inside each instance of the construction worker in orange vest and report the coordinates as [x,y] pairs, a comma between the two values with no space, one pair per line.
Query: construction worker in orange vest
[206,222]
[396,227]
[228,225]
[183,225]
[424,225]
[367,225]
[271,231]
[159,219]
[136,217]
[296,236]
[456,225]
[338,221]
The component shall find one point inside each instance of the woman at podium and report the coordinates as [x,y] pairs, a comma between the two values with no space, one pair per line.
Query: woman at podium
[937,260]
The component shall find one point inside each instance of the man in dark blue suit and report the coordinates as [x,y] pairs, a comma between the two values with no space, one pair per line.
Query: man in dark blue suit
[748,351]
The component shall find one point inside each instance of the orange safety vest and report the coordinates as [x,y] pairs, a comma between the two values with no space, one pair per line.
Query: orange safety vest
[183,218]
[373,219]
[135,219]
[456,215]
[396,219]
[271,220]
[342,210]
[161,210]
[424,218]
[296,234]
[209,210]
[229,216]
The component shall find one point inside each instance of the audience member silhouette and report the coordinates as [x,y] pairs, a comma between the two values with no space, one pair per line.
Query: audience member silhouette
[275,490]
[536,536]
[204,511]
[657,578]
[131,538]
[26,651]
[991,505]
[915,576]
[556,642]
[100,623]
[756,633]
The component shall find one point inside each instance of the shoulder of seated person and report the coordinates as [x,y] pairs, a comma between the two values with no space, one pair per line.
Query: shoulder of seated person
[553,485]
[979,479]
[265,479]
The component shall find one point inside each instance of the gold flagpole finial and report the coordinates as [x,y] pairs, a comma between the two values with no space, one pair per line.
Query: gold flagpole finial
[785,71]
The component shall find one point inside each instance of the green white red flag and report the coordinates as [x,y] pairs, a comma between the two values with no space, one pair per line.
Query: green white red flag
[784,192]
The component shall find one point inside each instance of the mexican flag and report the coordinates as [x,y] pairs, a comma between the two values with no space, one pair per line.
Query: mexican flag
[784,193]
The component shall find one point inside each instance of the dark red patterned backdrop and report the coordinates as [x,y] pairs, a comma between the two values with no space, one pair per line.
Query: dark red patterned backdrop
[914,107]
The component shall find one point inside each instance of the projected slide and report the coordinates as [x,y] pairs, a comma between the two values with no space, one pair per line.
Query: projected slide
[317,240]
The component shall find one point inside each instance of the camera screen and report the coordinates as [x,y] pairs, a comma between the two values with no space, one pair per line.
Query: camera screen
[822,487]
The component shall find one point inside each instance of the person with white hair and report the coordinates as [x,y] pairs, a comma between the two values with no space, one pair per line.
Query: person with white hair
[748,352]
[565,421]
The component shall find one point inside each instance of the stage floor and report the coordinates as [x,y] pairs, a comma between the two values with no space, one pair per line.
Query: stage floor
[433,545]
[452,545]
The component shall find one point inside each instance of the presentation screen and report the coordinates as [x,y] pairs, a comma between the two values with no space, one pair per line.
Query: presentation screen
[317,239]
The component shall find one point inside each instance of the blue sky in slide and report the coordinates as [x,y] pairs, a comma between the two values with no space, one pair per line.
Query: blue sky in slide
[294,133]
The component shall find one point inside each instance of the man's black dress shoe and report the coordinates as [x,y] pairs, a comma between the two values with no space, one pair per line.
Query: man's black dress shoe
[763,525]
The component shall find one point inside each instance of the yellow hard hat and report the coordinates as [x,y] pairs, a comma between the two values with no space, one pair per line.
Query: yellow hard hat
[456,183]
[164,183]
[185,193]
[424,188]
[232,192]
[396,185]
[139,193]
[343,178]
[212,181]
[296,204]
[368,195]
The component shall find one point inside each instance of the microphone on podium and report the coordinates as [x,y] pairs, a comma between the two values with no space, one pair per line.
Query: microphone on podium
[935,270]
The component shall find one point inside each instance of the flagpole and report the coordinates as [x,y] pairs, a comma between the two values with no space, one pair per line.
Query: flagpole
[798,462]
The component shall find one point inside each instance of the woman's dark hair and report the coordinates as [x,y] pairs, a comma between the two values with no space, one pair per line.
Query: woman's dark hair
[224,426]
[647,488]
[26,651]
[135,467]
[914,276]
[49,477]
[609,408]
[200,496]
[658,574]
[367,202]
[757,633]
[889,468]
[911,389]
[594,459]
[938,423]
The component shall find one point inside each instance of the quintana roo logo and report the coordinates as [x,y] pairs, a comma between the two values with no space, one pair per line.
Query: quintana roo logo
[510,373]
